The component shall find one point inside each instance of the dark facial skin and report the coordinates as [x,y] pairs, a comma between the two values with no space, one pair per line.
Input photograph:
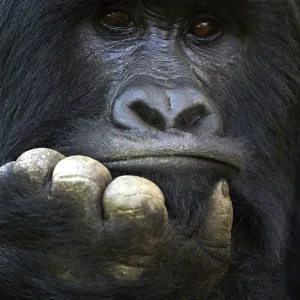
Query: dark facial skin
[155,99]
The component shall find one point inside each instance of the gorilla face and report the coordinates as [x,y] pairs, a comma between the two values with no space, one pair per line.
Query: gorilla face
[184,93]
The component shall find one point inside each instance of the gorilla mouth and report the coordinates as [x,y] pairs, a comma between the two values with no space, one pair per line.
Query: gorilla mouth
[176,162]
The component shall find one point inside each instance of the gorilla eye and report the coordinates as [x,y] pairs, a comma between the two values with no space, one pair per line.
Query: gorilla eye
[116,19]
[206,29]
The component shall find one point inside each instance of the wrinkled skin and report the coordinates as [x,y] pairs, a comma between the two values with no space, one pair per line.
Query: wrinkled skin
[149,161]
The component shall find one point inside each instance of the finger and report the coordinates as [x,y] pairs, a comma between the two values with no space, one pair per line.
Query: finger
[219,218]
[80,181]
[139,202]
[136,199]
[37,165]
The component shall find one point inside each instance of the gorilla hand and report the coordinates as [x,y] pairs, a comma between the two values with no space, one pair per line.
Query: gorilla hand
[132,210]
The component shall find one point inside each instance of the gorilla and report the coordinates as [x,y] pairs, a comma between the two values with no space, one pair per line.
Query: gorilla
[149,149]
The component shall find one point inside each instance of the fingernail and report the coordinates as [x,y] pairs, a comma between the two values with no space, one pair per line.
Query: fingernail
[225,189]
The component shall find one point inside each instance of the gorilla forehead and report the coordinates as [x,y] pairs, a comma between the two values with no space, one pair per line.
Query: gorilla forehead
[172,10]
[178,5]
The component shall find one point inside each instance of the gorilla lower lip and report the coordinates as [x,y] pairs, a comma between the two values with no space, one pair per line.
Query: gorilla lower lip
[164,162]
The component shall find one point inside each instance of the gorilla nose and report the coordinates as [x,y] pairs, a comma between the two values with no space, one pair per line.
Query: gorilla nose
[150,107]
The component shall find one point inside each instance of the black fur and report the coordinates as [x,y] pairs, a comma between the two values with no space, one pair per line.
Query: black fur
[49,97]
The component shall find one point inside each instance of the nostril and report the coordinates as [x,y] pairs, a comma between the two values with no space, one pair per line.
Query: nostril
[148,115]
[190,116]
[151,108]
